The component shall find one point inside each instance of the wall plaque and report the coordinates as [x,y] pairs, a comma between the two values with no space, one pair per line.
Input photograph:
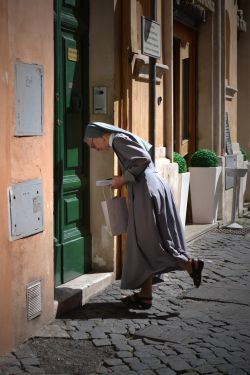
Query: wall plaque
[151,38]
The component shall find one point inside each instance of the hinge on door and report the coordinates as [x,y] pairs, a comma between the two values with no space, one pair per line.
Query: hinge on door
[57,96]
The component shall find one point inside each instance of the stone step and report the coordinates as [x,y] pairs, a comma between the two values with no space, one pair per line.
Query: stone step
[77,292]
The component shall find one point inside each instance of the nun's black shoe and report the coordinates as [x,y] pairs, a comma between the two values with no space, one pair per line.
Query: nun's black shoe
[136,302]
[197,267]
[157,279]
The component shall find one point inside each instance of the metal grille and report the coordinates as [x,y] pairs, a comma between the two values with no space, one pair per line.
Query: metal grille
[34,299]
[236,231]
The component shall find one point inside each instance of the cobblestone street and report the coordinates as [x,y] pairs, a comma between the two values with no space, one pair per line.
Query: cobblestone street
[187,331]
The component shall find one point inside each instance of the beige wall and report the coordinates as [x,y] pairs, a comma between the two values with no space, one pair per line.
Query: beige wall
[101,73]
[231,99]
[205,126]
[208,73]
[231,105]
[244,87]
[216,57]
[27,36]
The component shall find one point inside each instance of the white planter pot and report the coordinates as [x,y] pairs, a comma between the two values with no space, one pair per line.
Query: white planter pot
[183,188]
[242,189]
[204,188]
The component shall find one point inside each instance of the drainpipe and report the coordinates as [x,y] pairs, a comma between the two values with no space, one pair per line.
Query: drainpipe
[152,87]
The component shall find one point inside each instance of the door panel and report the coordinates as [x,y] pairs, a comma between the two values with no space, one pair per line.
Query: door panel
[72,235]
[184,89]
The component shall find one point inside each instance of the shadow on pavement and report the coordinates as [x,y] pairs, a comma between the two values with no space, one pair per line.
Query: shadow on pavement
[116,310]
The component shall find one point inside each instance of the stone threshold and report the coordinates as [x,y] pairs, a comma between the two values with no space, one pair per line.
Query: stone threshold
[77,292]
[193,231]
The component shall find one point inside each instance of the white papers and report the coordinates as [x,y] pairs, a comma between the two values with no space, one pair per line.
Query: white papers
[106,182]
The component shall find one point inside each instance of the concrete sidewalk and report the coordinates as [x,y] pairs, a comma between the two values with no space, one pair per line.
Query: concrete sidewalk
[187,330]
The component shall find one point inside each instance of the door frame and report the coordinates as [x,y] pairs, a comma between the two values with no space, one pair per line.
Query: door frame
[66,20]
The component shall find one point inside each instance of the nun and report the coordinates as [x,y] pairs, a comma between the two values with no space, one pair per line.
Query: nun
[155,242]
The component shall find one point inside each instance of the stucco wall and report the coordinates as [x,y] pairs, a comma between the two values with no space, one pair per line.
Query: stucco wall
[243,87]
[213,66]
[231,100]
[5,270]
[231,105]
[27,33]
[205,124]
[101,73]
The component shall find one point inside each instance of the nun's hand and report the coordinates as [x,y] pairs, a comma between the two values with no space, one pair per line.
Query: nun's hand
[118,182]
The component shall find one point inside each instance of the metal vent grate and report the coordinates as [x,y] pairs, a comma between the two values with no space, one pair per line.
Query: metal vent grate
[34,299]
[236,231]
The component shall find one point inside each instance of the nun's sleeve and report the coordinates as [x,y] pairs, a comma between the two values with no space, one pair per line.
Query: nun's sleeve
[132,156]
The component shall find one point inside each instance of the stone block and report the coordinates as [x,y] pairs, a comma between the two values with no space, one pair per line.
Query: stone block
[113,362]
[101,342]
[169,171]
[178,364]
[165,371]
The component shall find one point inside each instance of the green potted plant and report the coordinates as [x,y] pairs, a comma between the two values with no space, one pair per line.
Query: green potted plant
[205,178]
[181,161]
[183,185]
[204,158]
[244,153]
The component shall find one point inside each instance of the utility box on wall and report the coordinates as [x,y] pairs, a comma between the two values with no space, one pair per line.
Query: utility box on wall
[29,99]
[26,209]
[100,100]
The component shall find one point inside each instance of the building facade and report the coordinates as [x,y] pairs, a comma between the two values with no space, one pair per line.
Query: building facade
[69,62]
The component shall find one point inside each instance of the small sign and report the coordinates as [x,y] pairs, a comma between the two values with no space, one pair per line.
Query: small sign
[151,38]
[73,54]
[228,142]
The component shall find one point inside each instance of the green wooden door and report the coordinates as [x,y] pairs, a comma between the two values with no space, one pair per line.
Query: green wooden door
[71,199]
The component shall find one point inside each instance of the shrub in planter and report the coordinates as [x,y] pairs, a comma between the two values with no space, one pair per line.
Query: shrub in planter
[204,158]
[183,185]
[244,153]
[180,160]
[205,177]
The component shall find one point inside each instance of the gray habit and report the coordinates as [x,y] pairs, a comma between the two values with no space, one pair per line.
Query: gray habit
[155,239]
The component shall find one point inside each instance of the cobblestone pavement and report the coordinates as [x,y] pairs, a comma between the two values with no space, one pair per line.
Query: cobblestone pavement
[187,330]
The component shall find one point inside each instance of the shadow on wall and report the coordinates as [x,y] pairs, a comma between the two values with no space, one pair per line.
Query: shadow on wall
[67,299]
